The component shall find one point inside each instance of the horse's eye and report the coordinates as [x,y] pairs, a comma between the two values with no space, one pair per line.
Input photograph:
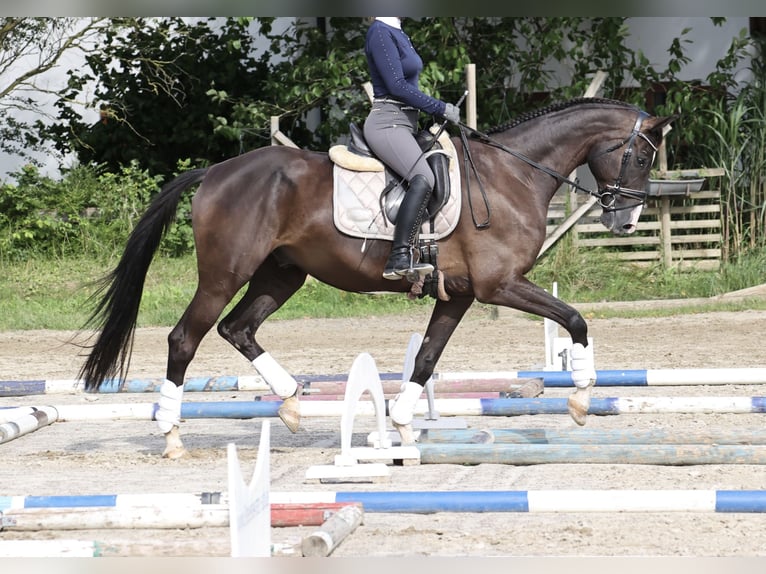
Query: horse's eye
[641,161]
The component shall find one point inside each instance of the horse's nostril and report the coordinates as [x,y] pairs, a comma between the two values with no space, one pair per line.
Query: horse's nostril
[628,228]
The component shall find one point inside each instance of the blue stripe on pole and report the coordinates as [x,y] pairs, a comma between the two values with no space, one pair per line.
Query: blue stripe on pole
[21,388]
[210,384]
[70,501]
[759,404]
[553,406]
[230,409]
[606,378]
[513,407]
[110,386]
[740,501]
[444,501]
[140,385]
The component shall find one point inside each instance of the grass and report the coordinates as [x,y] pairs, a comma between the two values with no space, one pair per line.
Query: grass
[54,294]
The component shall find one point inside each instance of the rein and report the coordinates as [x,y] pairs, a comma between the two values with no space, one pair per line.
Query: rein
[468,159]
[605,196]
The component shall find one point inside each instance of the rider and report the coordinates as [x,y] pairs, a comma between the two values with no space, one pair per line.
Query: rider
[390,130]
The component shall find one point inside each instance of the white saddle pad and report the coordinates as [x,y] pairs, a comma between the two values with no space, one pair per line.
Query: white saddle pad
[356,202]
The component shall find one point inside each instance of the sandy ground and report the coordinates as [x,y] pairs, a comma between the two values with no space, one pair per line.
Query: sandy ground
[120,457]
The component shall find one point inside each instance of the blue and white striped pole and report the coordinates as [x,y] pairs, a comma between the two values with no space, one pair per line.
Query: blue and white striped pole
[255,383]
[445,407]
[426,502]
[112,500]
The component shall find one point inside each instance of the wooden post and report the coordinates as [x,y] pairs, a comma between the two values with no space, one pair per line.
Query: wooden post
[274,129]
[470,85]
[277,137]
[667,245]
[665,236]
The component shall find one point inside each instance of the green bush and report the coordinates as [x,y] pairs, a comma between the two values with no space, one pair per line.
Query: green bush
[84,213]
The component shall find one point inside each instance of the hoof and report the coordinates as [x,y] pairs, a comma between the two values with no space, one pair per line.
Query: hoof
[578,404]
[174,448]
[290,413]
[405,432]
[174,453]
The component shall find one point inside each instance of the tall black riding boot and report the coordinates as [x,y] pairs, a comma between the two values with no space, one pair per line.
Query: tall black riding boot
[408,222]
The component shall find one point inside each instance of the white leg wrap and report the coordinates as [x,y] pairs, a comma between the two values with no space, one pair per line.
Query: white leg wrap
[169,412]
[281,382]
[402,406]
[583,371]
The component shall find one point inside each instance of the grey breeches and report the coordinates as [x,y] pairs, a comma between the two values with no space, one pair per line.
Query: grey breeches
[390,133]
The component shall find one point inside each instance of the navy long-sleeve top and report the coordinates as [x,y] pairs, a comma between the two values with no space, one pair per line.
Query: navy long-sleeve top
[395,68]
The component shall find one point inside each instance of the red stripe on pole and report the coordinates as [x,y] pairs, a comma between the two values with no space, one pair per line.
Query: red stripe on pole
[308,514]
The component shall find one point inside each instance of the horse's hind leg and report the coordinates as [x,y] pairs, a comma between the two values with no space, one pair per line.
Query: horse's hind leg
[269,288]
[201,314]
[444,320]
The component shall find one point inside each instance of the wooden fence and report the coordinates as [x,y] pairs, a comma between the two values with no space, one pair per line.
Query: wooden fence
[676,231]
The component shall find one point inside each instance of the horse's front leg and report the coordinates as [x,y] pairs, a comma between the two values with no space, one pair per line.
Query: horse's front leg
[524,295]
[444,319]
[584,377]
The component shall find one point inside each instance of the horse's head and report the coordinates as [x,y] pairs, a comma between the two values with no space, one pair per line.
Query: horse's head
[622,171]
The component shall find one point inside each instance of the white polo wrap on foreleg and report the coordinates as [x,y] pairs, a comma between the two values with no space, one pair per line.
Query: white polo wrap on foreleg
[583,370]
[402,406]
[281,382]
[169,412]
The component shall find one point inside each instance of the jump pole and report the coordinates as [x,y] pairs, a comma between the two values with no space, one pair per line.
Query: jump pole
[427,502]
[754,436]
[72,512]
[655,454]
[574,500]
[94,518]
[116,501]
[26,420]
[446,407]
[51,548]
[447,382]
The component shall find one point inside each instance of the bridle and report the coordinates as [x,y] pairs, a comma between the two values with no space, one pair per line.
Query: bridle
[606,196]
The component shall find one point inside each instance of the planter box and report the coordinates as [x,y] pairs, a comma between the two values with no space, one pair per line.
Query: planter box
[674,187]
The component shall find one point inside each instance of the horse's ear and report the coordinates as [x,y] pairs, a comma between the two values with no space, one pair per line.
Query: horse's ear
[656,125]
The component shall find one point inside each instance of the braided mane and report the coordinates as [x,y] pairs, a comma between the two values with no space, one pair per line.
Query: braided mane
[526,116]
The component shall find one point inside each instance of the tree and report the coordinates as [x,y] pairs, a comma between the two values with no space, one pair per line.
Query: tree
[323,67]
[32,48]
[154,75]
[196,89]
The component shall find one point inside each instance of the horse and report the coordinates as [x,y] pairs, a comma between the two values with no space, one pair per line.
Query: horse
[265,219]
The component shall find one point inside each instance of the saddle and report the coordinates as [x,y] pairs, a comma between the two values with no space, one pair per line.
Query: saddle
[366,197]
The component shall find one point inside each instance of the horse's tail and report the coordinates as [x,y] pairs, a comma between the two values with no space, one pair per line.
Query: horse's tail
[116,313]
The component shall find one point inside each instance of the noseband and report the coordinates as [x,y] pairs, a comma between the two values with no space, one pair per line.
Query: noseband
[606,196]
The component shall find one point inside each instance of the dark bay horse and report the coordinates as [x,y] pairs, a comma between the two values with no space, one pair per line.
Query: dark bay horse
[265,219]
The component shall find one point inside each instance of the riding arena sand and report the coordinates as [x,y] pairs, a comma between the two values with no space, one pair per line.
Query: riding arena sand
[123,457]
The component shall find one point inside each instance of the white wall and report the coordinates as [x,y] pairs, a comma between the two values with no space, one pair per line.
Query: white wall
[710,43]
